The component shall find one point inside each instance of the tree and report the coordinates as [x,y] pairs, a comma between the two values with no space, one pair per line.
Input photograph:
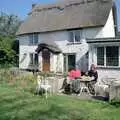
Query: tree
[6,52]
[8,43]
[8,24]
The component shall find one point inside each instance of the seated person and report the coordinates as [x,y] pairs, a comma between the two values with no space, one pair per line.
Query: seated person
[73,74]
[72,77]
[94,75]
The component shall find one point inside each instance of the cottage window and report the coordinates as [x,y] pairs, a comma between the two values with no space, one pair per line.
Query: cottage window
[75,36]
[108,56]
[100,56]
[33,59]
[33,39]
[112,56]
[69,62]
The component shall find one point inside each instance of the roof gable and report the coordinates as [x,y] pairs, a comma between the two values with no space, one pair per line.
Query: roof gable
[66,15]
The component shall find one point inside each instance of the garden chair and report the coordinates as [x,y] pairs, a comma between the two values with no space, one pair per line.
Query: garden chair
[101,88]
[83,88]
[43,86]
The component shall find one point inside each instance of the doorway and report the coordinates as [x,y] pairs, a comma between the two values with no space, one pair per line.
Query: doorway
[69,62]
[46,60]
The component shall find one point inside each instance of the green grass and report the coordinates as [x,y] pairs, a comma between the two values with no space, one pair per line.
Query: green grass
[17,104]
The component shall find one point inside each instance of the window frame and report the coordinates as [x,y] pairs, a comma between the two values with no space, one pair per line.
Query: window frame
[32,40]
[73,34]
[33,58]
[65,61]
[101,55]
[105,57]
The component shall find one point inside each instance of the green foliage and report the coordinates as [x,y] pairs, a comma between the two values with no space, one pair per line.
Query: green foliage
[7,53]
[9,47]
[8,24]
[26,82]
[115,102]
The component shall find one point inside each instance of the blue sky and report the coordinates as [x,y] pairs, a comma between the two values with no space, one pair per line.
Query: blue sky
[23,7]
[20,7]
[118,12]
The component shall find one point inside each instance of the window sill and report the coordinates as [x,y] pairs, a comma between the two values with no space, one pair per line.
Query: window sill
[108,67]
[72,43]
[33,44]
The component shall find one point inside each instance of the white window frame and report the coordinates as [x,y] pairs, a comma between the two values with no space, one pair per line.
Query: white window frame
[32,39]
[105,57]
[66,57]
[74,40]
[33,58]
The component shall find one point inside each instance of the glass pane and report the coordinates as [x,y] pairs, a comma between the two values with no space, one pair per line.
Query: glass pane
[65,63]
[71,62]
[112,56]
[100,56]
[77,36]
[31,39]
[35,38]
[36,59]
[31,58]
[71,35]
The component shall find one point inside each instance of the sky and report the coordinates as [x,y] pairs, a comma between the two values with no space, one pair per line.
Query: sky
[22,7]
[118,13]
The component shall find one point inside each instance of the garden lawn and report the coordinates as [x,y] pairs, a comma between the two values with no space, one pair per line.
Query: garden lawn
[16,104]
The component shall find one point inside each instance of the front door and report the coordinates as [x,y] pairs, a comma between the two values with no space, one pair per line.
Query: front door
[71,62]
[46,60]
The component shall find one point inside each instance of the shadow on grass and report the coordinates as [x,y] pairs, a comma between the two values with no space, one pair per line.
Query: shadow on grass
[100,98]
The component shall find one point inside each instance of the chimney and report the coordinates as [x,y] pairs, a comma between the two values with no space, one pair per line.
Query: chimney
[33,5]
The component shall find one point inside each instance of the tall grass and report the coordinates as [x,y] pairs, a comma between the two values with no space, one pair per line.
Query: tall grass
[26,82]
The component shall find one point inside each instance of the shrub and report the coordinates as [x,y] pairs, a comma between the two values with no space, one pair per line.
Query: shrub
[115,102]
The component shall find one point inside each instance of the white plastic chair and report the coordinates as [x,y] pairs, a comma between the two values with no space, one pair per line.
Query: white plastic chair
[101,89]
[83,87]
[44,85]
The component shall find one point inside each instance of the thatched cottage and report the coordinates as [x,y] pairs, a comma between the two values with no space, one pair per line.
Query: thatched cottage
[70,34]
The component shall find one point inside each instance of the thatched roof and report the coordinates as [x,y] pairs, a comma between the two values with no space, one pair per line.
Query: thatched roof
[103,40]
[52,48]
[66,15]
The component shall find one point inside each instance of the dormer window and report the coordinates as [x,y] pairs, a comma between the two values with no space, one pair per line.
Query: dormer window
[75,36]
[33,39]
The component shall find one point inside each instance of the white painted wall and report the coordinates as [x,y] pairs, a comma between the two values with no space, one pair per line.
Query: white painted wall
[108,73]
[25,50]
[109,29]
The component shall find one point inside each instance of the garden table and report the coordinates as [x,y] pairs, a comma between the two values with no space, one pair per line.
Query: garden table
[84,82]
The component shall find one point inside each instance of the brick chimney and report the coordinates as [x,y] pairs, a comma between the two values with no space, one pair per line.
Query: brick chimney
[33,5]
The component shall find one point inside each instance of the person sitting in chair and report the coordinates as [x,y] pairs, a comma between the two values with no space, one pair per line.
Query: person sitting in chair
[94,76]
[93,73]
[73,74]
